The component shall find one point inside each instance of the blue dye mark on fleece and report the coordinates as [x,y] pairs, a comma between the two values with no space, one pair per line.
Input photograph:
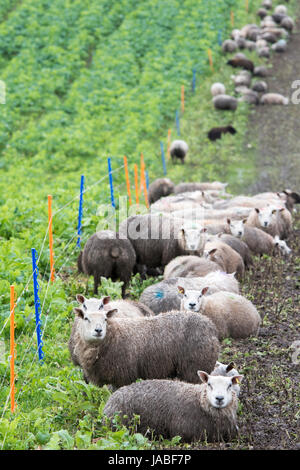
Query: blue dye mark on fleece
[159,294]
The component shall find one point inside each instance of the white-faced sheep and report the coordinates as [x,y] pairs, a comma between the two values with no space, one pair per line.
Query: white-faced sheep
[217,89]
[227,370]
[225,102]
[273,220]
[257,240]
[190,266]
[161,187]
[228,259]
[107,255]
[118,351]
[234,315]
[273,99]
[282,246]
[164,296]
[172,408]
[178,150]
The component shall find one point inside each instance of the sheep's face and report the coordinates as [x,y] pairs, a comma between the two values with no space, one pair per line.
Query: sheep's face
[282,246]
[193,238]
[236,227]
[219,389]
[191,300]
[93,325]
[266,216]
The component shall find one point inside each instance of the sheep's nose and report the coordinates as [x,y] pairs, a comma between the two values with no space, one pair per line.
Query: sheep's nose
[220,400]
[192,305]
[240,233]
[193,247]
[266,224]
[98,330]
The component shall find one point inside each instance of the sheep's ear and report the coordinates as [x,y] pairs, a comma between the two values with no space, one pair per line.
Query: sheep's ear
[274,211]
[78,311]
[204,290]
[106,300]
[80,298]
[203,376]
[212,252]
[236,379]
[257,210]
[244,221]
[180,289]
[230,367]
[110,313]
[228,221]
[203,230]
[282,209]
[219,235]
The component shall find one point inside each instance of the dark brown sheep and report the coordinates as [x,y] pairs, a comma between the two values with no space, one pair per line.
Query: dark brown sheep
[216,132]
[107,255]
[242,63]
[160,187]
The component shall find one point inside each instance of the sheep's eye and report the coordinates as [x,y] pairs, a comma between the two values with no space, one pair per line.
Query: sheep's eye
[85,307]
[210,386]
[86,319]
[100,307]
[229,386]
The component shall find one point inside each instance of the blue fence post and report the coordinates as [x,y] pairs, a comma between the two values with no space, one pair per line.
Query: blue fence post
[163,158]
[80,211]
[147,180]
[37,305]
[177,122]
[220,37]
[111,183]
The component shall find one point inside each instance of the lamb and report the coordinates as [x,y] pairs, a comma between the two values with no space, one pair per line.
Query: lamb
[239,246]
[118,351]
[107,255]
[160,187]
[225,102]
[156,239]
[242,63]
[274,98]
[257,240]
[164,296]
[189,266]
[171,408]
[217,89]
[217,132]
[283,248]
[234,315]
[228,259]
[227,370]
[178,149]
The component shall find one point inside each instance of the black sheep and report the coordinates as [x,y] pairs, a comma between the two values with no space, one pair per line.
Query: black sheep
[216,132]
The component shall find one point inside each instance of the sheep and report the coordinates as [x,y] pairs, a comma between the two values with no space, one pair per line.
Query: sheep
[217,132]
[229,45]
[178,149]
[250,97]
[264,52]
[217,89]
[262,13]
[225,102]
[172,408]
[275,221]
[227,370]
[250,45]
[243,63]
[160,187]
[287,23]
[280,46]
[242,79]
[190,266]
[260,86]
[186,187]
[283,248]
[239,246]
[281,10]
[291,199]
[261,71]
[268,36]
[234,315]
[164,296]
[156,239]
[267,4]
[257,240]
[118,351]
[228,259]
[278,17]
[274,98]
[107,255]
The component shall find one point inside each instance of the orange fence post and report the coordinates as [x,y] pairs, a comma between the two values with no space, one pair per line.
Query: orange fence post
[232,17]
[127,180]
[210,59]
[247,5]
[50,238]
[12,348]
[182,99]
[136,183]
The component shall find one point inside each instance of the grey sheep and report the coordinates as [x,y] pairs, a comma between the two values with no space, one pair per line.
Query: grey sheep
[172,408]
[239,246]
[200,186]
[189,266]
[257,240]
[118,351]
[160,187]
[107,255]
[164,296]
[225,102]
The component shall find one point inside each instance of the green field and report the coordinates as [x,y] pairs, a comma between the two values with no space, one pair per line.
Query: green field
[86,81]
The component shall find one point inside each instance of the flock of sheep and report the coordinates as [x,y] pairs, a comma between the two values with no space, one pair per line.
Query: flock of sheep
[201,240]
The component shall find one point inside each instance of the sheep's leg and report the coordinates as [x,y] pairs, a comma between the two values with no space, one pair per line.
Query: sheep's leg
[124,290]
[96,283]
